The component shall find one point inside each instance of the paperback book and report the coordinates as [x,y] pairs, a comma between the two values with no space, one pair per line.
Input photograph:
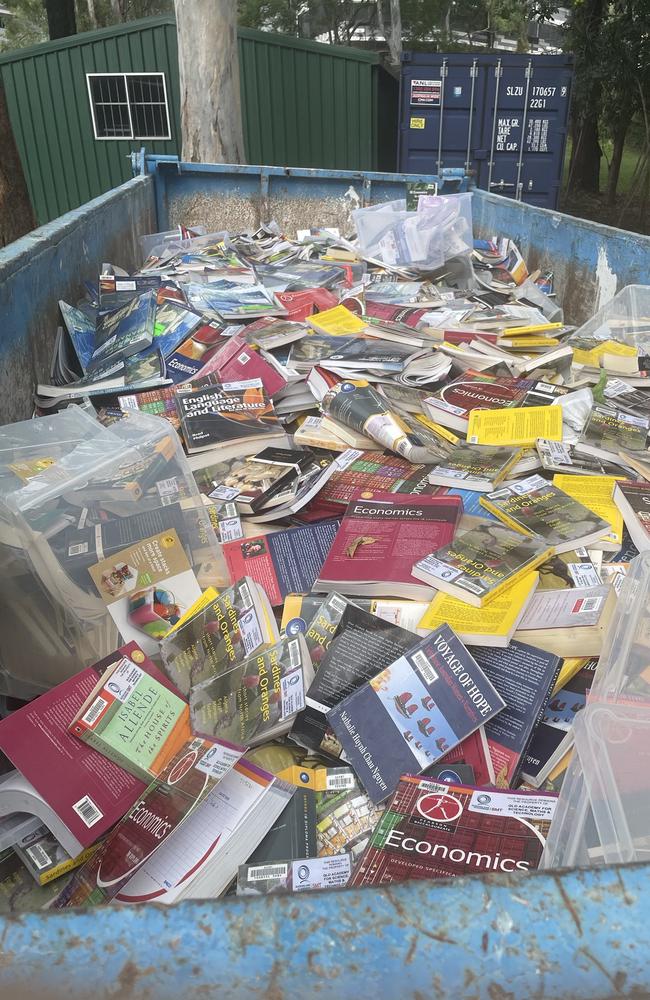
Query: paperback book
[432,830]
[475,467]
[294,876]
[257,700]
[482,563]
[362,646]
[538,508]
[492,625]
[410,714]
[633,501]
[380,538]
[232,416]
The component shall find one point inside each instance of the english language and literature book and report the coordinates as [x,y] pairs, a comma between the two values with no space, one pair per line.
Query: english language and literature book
[534,506]
[412,713]
[363,645]
[380,538]
[233,416]
[257,700]
[434,830]
[482,563]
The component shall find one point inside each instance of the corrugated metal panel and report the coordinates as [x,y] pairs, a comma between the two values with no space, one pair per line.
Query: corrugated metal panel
[304,104]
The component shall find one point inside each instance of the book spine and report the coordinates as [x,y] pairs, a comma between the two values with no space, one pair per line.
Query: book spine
[504,518]
[67,866]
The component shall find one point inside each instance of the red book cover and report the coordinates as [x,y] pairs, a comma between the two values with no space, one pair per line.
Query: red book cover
[467,336]
[306,302]
[380,539]
[474,750]
[411,316]
[431,830]
[378,471]
[282,562]
[237,361]
[87,791]
[475,391]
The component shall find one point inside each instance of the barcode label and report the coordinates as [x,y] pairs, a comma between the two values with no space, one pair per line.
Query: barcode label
[94,712]
[261,872]
[230,529]
[294,653]
[340,782]
[243,359]
[421,661]
[195,745]
[586,605]
[245,595]
[293,694]
[83,517]
[39,856]
[77,550]
[87,811]
[167,487]
[337,604]
[129,403]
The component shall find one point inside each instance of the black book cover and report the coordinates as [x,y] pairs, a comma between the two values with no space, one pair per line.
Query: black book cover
[293,835]
[225,414]
[524,676]
[363,646]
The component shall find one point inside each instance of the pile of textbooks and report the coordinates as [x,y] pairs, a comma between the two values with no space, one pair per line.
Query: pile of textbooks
[345,584]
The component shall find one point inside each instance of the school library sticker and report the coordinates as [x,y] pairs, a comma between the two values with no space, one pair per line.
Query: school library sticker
[439,807]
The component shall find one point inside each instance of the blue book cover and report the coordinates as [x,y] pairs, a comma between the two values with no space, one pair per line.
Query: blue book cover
[81,332]
[413,712]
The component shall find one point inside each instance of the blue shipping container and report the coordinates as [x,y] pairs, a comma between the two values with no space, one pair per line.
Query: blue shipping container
[501,116]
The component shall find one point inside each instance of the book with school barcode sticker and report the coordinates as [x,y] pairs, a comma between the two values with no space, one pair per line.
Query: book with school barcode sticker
[433,830]
[482,563]
[413,712]
[75,791]
[452,404]
[475,467]
[294,876]
[346,817]
[160,810]
[235,624]
[614,430]
[570,592]
[257,700]
[232,416]
[381,536]
[132,718]
[494,624]
[536,507]
[596,493]
[363,645]
[44,857]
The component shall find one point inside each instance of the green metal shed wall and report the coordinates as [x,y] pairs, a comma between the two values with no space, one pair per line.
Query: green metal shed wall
[304,104]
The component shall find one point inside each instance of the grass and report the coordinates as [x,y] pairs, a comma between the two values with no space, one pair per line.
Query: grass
[628,164]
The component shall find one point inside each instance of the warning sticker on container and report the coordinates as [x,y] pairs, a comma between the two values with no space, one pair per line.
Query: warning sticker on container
[417,123]
[426,92]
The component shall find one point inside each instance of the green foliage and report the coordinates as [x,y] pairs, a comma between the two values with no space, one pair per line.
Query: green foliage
[26,26]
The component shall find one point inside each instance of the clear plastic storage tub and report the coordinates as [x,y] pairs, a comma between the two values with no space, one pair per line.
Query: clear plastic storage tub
[603,813]
[66,483]
[440,230]
[625,318]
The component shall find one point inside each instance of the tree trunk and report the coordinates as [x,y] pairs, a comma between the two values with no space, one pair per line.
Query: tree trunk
[395,35]
[208,65]
[61,20]
[618,146]
[92,13]
[16,215]
[584,173]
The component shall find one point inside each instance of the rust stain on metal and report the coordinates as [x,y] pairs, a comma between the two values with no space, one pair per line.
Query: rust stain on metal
[484,942]
[129,975]
[407,919]
[568,904]
[616,980]
[497,992]
[412,949]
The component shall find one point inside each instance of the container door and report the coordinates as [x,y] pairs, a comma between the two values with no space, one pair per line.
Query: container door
[440,115]
[526,111]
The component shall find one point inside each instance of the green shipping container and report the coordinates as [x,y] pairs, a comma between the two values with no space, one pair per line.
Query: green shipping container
[79,106]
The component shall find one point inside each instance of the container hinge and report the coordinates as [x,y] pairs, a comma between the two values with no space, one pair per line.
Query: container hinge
[473,70]
[529,71]
[444,69]
[498,71]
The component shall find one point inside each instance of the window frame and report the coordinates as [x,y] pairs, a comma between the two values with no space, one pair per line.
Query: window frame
[132,136]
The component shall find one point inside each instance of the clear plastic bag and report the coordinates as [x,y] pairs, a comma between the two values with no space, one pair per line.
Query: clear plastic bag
[439,230]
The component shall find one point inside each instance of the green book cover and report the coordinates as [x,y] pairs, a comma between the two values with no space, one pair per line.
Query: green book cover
[134,720]
[469,463]
[536,507]
[481,562]
[614,430]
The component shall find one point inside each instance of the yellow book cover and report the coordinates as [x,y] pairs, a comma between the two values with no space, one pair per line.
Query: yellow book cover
[336,321]
[292,608]
[524,331]
[199,605]
[524,343]
[521,426]
[571,665]
[594,355]
[491,625]
[595,493]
